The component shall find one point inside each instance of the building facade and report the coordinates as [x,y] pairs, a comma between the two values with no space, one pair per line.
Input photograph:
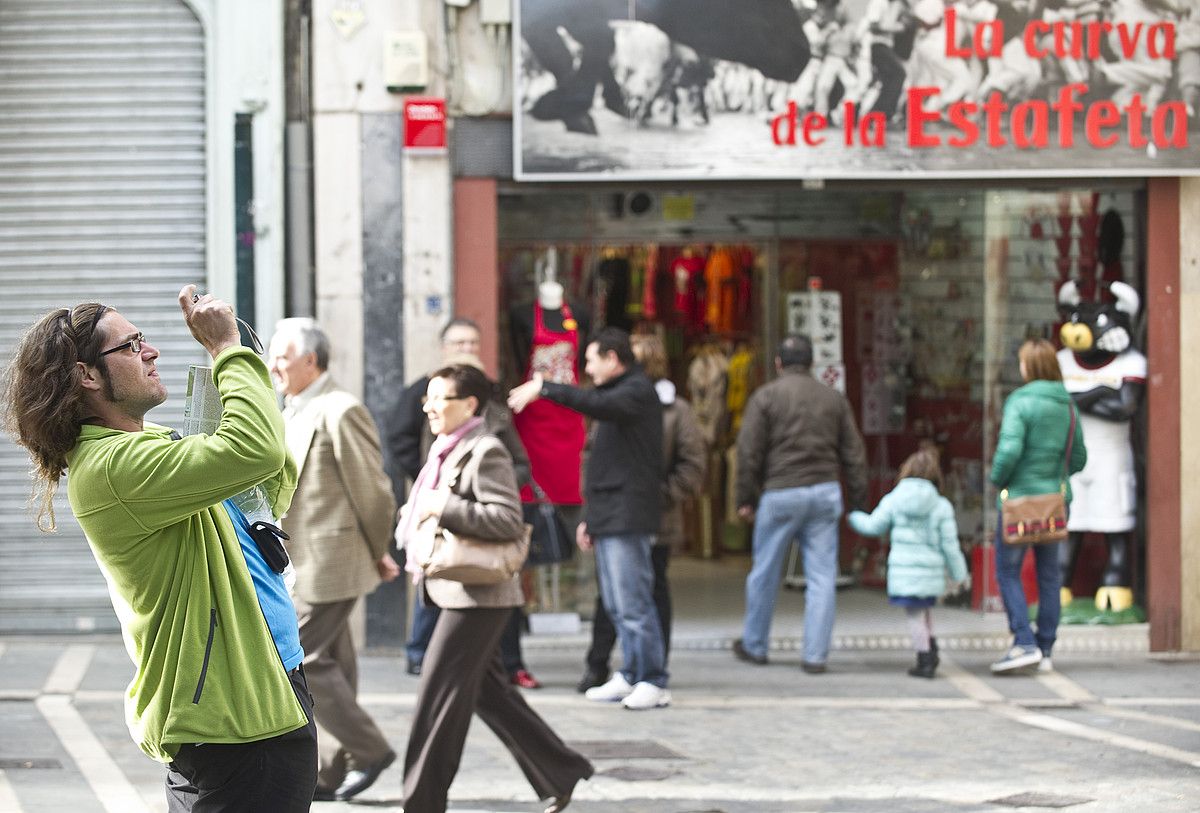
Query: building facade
[141,149]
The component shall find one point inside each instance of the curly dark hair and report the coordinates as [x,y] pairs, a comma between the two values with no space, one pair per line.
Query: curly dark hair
[43,399]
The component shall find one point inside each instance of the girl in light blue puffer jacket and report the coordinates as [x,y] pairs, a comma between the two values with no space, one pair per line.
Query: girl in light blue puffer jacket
[924,545]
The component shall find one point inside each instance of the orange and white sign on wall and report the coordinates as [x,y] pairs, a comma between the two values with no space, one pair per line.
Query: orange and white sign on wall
[425,125]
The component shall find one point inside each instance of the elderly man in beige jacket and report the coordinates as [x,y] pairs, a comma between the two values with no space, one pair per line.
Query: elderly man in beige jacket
[340,524]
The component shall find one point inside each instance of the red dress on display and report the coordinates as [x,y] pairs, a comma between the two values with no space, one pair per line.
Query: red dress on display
[687,273]
[553,435]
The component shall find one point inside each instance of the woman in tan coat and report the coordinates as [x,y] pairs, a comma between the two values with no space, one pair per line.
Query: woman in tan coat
[468,484]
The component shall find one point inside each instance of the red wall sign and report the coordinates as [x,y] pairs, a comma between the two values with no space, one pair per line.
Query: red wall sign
[425,125]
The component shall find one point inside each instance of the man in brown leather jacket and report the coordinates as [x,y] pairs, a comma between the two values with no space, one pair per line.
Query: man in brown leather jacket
[797,436]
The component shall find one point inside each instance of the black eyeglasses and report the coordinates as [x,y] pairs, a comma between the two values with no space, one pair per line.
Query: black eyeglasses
[134,344]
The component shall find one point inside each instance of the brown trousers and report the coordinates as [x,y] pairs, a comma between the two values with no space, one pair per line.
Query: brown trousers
[347,737]
[460,676]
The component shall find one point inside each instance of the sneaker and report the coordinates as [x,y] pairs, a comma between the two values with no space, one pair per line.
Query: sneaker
[1045,665]
[646,696]
[1019,657]
[617,688]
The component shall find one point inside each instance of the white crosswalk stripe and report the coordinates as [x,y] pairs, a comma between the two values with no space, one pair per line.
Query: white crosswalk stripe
[8,797]
[1073,729]
[1066,688]
[1144,717]
[102,774]
[967,683]
[70,669]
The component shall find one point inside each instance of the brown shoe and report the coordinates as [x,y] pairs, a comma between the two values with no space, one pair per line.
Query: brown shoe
[742,654]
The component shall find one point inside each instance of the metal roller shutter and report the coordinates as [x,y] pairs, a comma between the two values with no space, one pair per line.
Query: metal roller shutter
[102,197]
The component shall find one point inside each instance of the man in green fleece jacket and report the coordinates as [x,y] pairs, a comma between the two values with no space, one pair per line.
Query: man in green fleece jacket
[218,694]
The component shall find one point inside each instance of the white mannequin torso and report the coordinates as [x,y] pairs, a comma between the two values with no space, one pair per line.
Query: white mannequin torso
[550,295]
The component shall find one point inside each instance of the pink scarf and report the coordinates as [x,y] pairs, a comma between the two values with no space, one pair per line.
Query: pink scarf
[427,480]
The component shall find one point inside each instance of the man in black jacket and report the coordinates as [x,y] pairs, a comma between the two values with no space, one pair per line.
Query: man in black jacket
[623,496]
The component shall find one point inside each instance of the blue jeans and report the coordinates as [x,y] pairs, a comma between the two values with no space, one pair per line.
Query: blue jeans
[424,619]
[1009,559]
[627,589]
[810,514]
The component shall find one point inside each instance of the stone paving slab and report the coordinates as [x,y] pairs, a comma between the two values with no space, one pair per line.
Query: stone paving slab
[862,738]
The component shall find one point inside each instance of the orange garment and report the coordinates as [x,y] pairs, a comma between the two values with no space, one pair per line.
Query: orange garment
[720,277]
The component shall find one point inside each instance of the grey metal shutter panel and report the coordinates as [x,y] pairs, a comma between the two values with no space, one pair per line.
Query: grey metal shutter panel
[102,197]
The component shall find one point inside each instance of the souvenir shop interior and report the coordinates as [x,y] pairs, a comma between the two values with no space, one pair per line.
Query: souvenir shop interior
[916,299]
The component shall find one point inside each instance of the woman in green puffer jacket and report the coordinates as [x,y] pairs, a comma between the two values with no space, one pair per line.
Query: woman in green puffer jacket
[1031,459]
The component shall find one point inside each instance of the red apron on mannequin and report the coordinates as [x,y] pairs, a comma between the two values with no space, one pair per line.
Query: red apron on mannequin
[553,435]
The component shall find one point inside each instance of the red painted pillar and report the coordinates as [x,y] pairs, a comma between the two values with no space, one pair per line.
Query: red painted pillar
[476,269]
[1163,507]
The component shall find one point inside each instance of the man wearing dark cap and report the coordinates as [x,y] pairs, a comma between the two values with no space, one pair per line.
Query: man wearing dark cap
[797,436]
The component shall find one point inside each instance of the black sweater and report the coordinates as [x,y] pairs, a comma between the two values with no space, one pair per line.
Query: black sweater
[624,473]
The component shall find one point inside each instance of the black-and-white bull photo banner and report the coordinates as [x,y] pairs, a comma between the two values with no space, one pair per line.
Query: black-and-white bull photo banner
[725,89]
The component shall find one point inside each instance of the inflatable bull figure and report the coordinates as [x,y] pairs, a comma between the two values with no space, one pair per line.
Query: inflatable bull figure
[1106,377]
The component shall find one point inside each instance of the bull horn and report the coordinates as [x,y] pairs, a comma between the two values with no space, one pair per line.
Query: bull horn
[1127,298]
[1068,294]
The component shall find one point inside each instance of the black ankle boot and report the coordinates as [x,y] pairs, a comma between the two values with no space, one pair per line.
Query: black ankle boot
[933,651]
[926,665]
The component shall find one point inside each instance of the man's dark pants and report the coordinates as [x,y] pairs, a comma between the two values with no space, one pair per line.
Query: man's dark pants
[277,774]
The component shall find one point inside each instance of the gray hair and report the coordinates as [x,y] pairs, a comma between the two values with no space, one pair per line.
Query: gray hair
[308,337]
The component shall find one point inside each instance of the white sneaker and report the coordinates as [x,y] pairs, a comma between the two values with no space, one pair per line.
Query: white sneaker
[646,696]
[1017,658]
[617,688]
[1045,666]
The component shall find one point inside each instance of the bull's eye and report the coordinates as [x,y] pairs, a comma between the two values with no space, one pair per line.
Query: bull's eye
[1102,320]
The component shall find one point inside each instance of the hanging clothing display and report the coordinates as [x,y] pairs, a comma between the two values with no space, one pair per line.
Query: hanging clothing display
[741,382]
[649,292]
[720,276]
[706,386]
[637,275]
[687,276]
[553,435]
[744,261]
[612,287]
